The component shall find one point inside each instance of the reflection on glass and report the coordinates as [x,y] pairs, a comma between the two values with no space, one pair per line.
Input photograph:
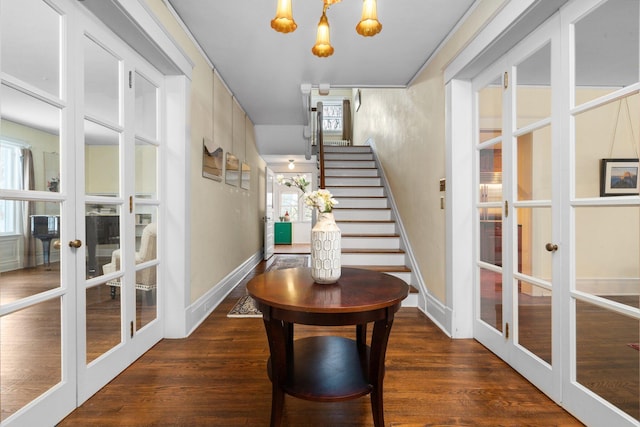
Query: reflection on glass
[534,165]
[490,107]
[491,241]
[607,246]
[33,137]
[534,232]
[606,49]
[102,224]
[34,239]
[534,320]
[30,43]
[491,175]
[146,170]
[609,131]
[603,336]
[533,91]
[102,160]
[31,352]
[146,108]
[491,298]
[146,296]
[103,321]
[101,82]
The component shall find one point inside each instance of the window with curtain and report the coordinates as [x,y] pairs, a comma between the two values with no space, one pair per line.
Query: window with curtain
[10,179]
[332,117]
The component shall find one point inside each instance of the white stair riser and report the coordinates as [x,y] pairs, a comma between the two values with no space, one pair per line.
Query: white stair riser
[371,259]
[348,156]
[404,275]
[362,214]
[367,227]
[363,203]
[331,172]
[355,191]
[359,181]
[328,164]
[370,242]
[351,149]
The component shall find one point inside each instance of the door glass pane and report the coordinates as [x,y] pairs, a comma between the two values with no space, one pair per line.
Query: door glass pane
[608,252]
[534,232]
[31,252]
[146,170]
[102,160]
[146,108]
[30,43]
[490,107]
[491,176]
[534,165]
[30,142]
[103,239]
[491,241]
[533,91]
[146,220]
[30,350]
[491,298]
[606,49]
[101,83]
[609,131]
[534,319]
[607,356]
[103,311]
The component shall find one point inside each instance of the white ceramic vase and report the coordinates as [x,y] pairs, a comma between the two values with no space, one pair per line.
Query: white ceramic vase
[325,249]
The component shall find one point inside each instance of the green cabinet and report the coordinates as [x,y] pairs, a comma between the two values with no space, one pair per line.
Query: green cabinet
[282,233]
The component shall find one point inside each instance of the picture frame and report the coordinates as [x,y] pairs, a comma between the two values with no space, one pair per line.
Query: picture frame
[232,170]
[212,158]
[619,177]
[245,176]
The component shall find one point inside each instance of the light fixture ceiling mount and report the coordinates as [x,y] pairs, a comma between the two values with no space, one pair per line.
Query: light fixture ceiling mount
[367,27]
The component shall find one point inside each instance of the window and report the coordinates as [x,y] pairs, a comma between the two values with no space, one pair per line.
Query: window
[332,117]
[10,179]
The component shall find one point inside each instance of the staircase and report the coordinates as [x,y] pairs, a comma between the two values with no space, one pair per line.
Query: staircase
[370,235]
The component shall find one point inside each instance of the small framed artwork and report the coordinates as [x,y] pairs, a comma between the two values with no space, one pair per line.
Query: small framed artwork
[232,170]
[211,160]
[245,178]
[619,177]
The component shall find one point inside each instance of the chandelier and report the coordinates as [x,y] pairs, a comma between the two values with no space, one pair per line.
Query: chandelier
[368,26]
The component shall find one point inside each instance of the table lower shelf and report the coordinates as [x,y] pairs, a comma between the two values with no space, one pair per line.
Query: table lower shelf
[326,368]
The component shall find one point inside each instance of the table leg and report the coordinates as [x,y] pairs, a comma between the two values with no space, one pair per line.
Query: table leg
[379,340]
[280,336]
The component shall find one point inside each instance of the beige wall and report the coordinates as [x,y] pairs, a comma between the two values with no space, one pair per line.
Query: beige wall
[224,221]
[408,127]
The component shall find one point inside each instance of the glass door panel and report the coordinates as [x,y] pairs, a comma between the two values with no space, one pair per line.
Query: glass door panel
[103,320]
[533,91]
[33,60]
[534,319]
[101,83]
[146,278]
[146,170]
[102,160]
[146,108]
[491,298]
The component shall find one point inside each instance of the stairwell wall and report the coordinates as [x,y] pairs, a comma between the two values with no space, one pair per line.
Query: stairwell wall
[408,128]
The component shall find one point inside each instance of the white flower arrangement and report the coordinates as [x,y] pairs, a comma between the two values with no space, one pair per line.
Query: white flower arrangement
[320,199]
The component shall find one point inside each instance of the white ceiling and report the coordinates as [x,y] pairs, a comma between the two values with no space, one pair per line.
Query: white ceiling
[264,69]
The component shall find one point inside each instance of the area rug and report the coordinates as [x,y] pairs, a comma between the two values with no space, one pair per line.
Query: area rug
[245,307]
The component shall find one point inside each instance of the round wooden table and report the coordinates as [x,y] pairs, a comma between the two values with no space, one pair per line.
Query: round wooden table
[327,368]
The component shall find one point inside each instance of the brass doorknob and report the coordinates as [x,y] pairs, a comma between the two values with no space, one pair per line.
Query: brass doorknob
[75,243]
[551,247]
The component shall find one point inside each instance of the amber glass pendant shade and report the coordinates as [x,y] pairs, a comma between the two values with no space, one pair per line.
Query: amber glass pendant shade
[323,47]
[369,25]
[283,22]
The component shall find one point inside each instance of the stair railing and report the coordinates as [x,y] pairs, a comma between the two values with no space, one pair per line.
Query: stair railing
[320,143]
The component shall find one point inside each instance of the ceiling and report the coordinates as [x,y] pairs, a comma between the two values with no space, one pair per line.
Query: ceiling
[265,69]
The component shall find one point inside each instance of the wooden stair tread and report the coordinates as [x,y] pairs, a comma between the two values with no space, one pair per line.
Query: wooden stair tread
[362,209]
[379,235]
[371,251]
[362,221]
[353,186]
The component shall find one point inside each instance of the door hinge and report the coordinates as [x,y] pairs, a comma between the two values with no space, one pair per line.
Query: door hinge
[506,208]
[130,79]
[132,329]
[130,204]
[505,81]
[506,331]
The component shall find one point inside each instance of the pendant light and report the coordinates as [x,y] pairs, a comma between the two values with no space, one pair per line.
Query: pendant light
[283,22]
[369,25]
[323,47]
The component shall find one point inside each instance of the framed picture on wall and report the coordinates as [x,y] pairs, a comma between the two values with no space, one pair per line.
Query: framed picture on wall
[232,170]
[211,160]
[619,177]
[245,178]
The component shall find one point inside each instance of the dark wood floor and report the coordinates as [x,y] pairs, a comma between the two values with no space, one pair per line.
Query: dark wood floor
[217,377]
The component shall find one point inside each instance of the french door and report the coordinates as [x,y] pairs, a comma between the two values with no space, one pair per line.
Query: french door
[557,209]
[80,208]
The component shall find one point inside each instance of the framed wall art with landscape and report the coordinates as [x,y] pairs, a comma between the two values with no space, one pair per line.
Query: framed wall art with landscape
[619,177]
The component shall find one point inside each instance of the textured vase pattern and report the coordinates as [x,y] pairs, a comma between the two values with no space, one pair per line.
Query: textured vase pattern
[325,250]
